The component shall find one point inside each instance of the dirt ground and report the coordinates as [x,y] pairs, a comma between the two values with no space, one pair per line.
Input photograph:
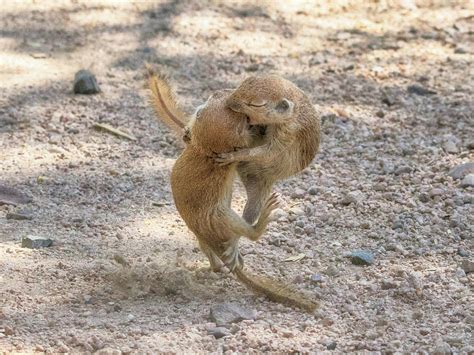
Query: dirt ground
[124,273]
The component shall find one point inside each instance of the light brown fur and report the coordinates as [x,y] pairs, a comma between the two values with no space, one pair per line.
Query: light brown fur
[291,141]
[202,191]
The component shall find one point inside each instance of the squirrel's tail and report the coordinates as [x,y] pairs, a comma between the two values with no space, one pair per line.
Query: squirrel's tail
[163,100]
[275,291]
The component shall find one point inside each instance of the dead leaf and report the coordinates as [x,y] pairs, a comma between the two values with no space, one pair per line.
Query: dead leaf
[297,257]
[114,131]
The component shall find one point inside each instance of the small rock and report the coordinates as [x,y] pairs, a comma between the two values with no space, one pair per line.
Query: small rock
[218,332]
[20,215]
[313,191]
[351,197]
[130,317]
[331,346]
[450,147]
[424,331]
[298,193]
[467,266]
[461,170]
[380,114]
[362,257]
[442,348]
[316,278]
[462,252]
[331,271]
[85,83]
[227,313]
[419,90]
[468,180]
[460,273]
[87,299]
[388,284]
[34,242]
[296,211]
[404,169]
[279,213]
[436,192]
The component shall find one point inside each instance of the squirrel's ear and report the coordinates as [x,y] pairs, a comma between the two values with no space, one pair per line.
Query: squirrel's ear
[285,106]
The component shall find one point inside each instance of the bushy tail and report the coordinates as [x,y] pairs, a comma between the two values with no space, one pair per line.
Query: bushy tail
[275,291]
[162,99]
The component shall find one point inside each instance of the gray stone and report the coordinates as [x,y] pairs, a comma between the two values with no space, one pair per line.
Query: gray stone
[331,346]
[351,197]
[468,181]
[362,257]
[450,147]
[419,90]
[85,83]
[218,332]
[461,170]
[34,242]
[404,169]
[467,266]
[20,215]
[462,252]
[316,278]
[227,313]
[442,348]
[298,193]
[313,191]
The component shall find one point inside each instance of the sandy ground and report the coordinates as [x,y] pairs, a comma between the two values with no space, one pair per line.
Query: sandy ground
[380,182]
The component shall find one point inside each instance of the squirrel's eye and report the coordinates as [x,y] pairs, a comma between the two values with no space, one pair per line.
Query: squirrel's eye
[257,103]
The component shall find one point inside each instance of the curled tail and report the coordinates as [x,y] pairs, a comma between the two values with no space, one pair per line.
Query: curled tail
[275,291]
[163,100]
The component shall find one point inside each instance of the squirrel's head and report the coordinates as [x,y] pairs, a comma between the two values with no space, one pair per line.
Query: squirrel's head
[218,129]
[263,99]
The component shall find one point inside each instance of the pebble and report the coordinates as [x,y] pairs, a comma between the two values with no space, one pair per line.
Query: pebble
[331,271]
[404,169]
[331,346]
[468,181]
[462,252]
[351,197]
[296,211]
[442,348]
[34,242]
[20,215]
[461,170]
[227,313]
[389,284]
[85,83]
[316,278]
[298,193]
[313,191]
[419,90]
[450,147]
[362,257]
[218,332]
[467,266]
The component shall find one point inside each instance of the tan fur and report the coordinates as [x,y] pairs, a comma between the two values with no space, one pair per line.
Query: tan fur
[202,191]
[163,100]
[291,141]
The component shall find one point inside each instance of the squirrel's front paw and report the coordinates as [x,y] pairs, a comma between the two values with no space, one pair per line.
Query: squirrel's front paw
[223,158]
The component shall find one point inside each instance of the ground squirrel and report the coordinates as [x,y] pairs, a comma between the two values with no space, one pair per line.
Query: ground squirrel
[291,140]
[202,191]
